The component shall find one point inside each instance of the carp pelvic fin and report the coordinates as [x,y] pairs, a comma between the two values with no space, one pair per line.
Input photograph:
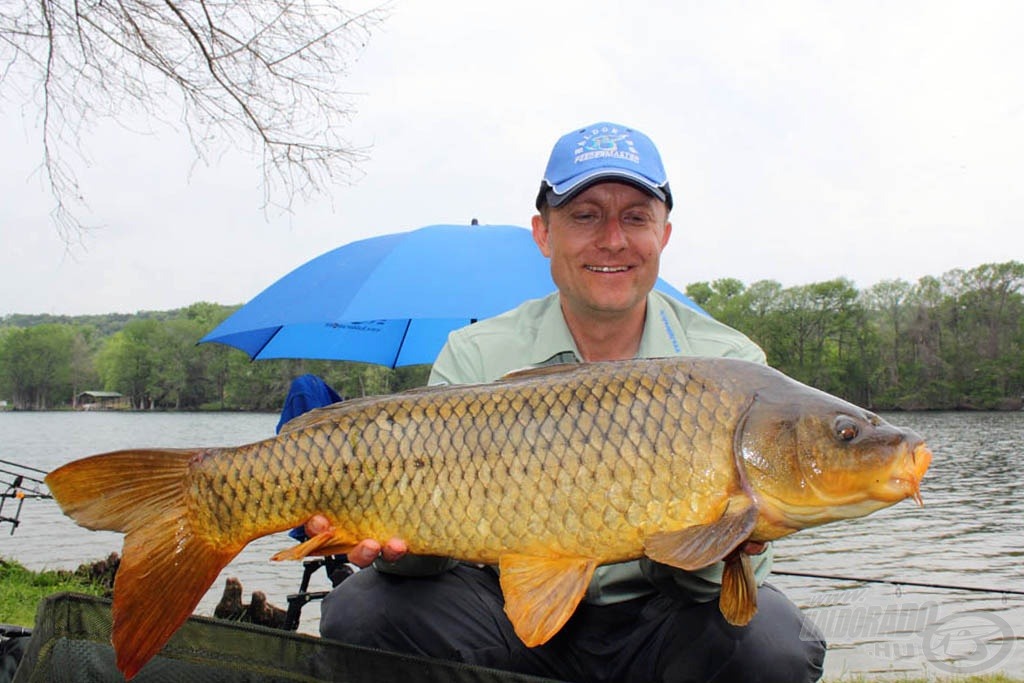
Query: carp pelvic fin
[330,542]
[738,600]
[541,593]
[144,494]
[698,546]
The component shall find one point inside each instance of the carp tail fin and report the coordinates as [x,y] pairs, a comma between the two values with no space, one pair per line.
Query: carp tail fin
[542,593]
[144,494]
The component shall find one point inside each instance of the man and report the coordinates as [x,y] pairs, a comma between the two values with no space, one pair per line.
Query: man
[603,221]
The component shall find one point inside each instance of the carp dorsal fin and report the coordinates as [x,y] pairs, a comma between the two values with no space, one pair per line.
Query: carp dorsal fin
[539,371]
[738,599]
[703,544]
[541,593]
[316,415]
[336,410]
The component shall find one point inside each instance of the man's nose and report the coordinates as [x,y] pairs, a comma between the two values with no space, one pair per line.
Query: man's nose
[611,234]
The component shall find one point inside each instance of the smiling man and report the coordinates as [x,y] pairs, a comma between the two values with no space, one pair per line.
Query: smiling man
[603,210]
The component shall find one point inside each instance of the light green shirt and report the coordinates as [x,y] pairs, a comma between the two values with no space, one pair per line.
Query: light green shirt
[534,334]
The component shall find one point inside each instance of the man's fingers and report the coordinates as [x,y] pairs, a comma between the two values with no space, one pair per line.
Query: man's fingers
[754,547]
[394,549]
[317,524]
[364,553]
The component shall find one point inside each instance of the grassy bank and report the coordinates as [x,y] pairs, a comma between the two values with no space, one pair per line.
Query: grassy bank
[21,589]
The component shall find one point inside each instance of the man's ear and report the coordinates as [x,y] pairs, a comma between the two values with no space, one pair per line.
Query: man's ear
[540,234]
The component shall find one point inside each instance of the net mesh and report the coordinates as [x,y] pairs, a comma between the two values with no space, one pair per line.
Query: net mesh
[71,642]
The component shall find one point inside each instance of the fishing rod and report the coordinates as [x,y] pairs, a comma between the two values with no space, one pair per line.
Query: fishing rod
[22,485]
[24,467]
[898,584]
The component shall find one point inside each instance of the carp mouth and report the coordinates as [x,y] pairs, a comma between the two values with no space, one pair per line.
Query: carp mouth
[902,479]
[866,493]
[905,481]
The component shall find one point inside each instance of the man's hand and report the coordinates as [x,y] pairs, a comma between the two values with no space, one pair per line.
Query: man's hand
[366,551]
[755,547]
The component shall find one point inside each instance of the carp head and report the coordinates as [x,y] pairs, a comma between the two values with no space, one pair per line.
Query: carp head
[812,458]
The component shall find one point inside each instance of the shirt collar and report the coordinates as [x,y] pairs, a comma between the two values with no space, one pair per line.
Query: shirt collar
[553,335]
[662,335]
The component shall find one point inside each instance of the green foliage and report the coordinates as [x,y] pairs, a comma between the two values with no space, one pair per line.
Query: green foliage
[153,359]
[951,342]
[35,365]
[954,341]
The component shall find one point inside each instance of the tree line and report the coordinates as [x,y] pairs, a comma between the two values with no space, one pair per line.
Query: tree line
[949,342]
[152,359]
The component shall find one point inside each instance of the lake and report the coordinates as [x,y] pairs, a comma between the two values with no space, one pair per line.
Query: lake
[970,533]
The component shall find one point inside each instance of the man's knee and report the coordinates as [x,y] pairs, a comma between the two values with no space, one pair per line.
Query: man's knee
[346,612]
[780,643]
[452,615]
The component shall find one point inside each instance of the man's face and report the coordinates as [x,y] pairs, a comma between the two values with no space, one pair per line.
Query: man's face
[605,246]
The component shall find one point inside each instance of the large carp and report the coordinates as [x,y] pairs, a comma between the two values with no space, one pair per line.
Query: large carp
[547,474]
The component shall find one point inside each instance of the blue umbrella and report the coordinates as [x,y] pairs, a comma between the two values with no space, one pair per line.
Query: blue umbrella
[392,300]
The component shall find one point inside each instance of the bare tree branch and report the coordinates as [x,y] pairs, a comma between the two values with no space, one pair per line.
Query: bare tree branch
[261,74]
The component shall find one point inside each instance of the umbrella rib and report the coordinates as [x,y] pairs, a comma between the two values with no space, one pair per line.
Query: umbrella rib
[401,343]
[264,344]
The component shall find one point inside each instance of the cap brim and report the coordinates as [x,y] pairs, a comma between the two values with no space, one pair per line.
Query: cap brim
[557,196]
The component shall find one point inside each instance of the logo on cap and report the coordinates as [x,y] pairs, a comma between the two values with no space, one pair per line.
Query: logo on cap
[605,142]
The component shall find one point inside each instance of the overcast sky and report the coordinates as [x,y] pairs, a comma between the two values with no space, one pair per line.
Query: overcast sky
[804,141]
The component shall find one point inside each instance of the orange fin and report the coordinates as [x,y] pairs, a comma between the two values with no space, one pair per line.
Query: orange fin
[539,371]
[315,416]
[541,593]
[330,542]
[335,411]
[144,494]
[738,600]
[698,546]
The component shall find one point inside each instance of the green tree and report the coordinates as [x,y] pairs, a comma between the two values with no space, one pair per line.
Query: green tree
[83,373]
[177,368]
[35,364]
[127,363]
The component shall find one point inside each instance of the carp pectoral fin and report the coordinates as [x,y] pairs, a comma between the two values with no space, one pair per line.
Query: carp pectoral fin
[698,546]
[738,600]
[330,542]
[542,593]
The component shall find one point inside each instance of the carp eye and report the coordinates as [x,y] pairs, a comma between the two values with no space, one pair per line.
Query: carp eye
[846,429]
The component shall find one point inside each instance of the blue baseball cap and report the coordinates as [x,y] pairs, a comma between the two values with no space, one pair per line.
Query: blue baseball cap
[599,153]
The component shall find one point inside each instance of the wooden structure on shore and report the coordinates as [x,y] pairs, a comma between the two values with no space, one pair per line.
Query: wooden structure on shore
[101,400]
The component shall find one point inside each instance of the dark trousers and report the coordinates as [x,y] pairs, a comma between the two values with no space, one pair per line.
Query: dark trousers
[458,615]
